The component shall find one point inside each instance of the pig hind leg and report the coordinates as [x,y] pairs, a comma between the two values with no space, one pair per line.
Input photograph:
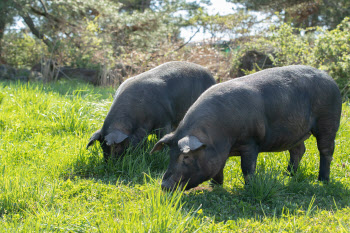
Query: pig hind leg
[325,135]
[296,153]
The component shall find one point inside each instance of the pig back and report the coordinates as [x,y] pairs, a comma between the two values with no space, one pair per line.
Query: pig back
[184,83]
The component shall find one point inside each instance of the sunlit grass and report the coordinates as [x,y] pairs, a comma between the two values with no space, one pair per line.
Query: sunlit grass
[49,182]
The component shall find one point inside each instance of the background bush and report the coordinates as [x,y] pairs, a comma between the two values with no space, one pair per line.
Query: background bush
[332,53]
[22,50]
[327,50]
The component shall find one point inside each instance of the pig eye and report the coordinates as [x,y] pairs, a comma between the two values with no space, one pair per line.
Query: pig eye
[185,160]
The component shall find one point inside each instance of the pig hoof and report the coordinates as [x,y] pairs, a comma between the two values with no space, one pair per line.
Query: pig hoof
[323,179]
[214,183]
[288,173]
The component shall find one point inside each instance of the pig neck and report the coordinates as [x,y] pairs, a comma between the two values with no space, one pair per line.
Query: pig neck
[122,119]
[208,127]
[118,120]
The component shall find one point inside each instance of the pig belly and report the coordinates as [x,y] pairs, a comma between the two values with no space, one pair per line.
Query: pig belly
[282,142]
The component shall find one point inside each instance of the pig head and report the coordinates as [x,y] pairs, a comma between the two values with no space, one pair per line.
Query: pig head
[192,161]
[113,143]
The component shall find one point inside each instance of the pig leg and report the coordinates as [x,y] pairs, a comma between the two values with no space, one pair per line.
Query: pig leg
[218,179]
[249,155]
[106,151]
[296,153]
[326,147]
[325,135]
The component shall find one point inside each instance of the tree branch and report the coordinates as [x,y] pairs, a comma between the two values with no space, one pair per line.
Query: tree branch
[50,17]
[183,45]
[43,4]
[29,21]
[180,47]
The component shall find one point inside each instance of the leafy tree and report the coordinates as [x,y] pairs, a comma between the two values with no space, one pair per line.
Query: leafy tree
[302,13]
[6,17]
[82,29]
[232,25]
[135,5]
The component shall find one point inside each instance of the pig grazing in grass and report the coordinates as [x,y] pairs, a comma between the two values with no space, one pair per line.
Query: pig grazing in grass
[154,100]
[273,110]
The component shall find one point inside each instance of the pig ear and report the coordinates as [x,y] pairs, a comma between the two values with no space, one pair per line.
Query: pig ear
[94,137]
[189,143]
[116,136]
[160,144]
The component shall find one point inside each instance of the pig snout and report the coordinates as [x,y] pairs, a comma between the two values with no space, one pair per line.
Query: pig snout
[114,151]
[169,184]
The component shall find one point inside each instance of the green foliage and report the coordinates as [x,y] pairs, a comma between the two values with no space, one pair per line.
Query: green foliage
[22,50]
[94,32]
[231,25]
[301,13]
[49,182]
[332,53]
[290,48]
[283,46]
[6,14]
[324,49]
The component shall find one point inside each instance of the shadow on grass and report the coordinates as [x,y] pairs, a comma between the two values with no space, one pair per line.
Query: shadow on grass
[270,196]
[130,169]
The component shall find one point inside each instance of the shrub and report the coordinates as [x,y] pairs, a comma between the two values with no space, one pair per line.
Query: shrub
[332,53]
[21,50]
[285,45]
[290,48]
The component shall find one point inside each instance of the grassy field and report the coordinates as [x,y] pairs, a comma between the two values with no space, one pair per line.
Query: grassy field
[49,182]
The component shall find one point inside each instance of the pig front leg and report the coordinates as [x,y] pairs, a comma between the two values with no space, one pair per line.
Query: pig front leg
[167,129]
[296,153]
[249,155]
[161,132]
[218,179]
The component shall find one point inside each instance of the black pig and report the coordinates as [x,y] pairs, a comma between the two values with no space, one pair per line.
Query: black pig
[273,110]
[154,100]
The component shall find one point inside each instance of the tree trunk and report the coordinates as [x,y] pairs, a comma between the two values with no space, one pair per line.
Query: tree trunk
[4,19]
[2,29]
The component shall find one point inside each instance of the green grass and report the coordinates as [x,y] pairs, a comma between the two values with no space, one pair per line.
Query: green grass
[49,182]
